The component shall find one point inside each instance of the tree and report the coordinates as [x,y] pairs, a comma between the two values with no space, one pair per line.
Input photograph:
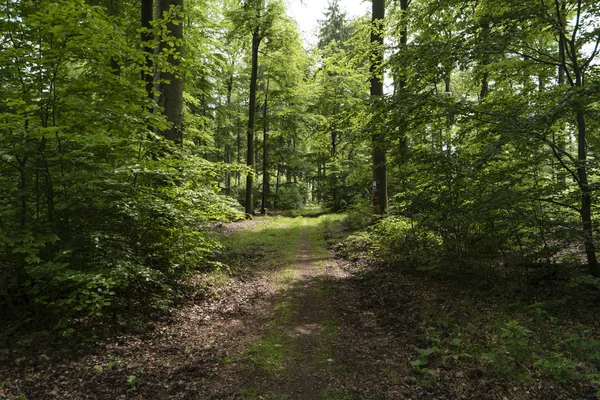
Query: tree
[170,79]
[380,189]
[334,26]
[574,65]
[256,18]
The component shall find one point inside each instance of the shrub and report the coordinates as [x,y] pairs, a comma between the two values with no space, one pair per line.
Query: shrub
[399,240]
[291,196]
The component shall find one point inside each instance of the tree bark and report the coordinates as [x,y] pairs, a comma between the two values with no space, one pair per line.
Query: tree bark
[400,80]
[266,192]
[562,174]
[586,196]
[380,195]
[171,83]
[147,38]
[485,85]
[251,114]
[582,168]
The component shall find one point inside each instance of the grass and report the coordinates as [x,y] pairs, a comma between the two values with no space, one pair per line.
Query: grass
[268,241]
[332,393]
[276,350]
[277,238]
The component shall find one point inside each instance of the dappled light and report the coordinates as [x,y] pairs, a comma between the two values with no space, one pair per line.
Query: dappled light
[197,202]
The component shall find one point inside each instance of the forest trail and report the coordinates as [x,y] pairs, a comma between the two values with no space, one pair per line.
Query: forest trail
[294,358]
[287,320]
[289,325]
[317,342]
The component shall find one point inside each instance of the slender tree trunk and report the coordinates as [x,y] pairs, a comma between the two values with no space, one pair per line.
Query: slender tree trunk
[380,195]
[582,167]
[447,135]
[251,114]
[400,80]
[266,192]
[277,184]
[318,181]
[562,174]
[586,196]
[228,174]
[485,85]
[228,133]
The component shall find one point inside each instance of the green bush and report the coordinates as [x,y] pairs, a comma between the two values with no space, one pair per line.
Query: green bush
[291,196]
[399,240]
[359,215]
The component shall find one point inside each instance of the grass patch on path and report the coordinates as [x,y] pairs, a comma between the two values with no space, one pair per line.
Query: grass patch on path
[296,345]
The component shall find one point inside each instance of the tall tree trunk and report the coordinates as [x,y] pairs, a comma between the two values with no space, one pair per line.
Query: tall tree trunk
[277,184]
[147,39]
[485,85]
[586,196]
[238,175]
[562,174]
[380,196]
[228,133]
[333,143]
[171,83]
[251,114]
[318,181]
[400,80]
[266,192]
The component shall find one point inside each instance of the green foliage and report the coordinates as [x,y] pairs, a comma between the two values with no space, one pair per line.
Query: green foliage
[97,212]
[515,338]
[132,381]
[423,359]
[399,240]
[291,196]
[359,215]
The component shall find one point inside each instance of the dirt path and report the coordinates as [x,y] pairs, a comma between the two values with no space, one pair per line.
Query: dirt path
[294,328]
[304,327]
[289,321]
[320,343]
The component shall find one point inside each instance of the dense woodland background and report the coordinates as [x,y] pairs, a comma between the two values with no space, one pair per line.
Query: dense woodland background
[129,130]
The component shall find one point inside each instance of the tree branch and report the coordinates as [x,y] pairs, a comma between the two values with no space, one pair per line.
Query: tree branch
[558,203]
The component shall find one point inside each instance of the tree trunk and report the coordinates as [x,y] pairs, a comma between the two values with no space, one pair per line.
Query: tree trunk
[238,176]
[400,81]
[318,181]
[485,85]
[228,134]
[228,173]
[586,196]
[380,196]
[147,39]
[251,114]
[579,110]
[171,85]
[333,142]
[562,174]
[277,184]
[266,192]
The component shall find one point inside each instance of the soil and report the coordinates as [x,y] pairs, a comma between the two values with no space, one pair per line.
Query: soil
[321,329]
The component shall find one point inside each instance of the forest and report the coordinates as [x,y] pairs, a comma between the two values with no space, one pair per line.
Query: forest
[446,141]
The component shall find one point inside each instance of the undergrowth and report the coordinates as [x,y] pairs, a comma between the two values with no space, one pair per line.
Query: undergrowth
[522,326]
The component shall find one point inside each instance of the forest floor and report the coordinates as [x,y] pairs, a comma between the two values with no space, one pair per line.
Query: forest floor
[288,320]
